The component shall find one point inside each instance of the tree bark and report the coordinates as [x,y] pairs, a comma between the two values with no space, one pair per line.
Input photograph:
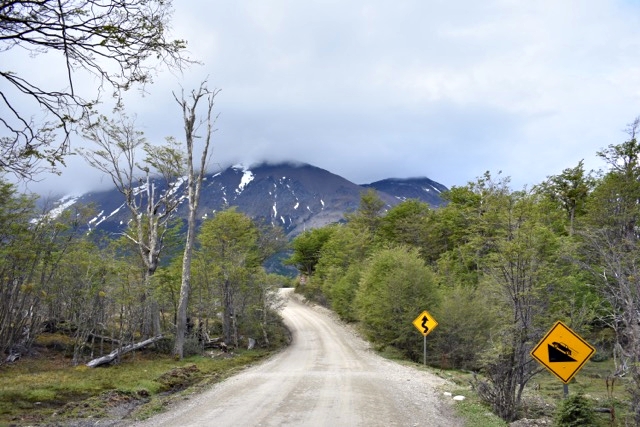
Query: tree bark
[194,183]
[119,352]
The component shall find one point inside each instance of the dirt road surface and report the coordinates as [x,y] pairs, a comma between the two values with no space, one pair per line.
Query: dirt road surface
[326,377]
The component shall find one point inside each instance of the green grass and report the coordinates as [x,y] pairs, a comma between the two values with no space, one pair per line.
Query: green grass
[476,413]
[35,389]
[542,394]
[593,382]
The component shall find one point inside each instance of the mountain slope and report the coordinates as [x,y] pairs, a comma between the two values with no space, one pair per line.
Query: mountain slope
[423,189]
[294,196]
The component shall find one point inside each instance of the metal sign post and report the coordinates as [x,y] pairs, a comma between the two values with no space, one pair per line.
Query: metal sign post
[425,323]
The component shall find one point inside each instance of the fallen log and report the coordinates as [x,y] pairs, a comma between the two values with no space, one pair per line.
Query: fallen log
[119,352]
[13,357]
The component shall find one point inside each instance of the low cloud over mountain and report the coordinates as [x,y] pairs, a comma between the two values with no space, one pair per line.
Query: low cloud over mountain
[294,196]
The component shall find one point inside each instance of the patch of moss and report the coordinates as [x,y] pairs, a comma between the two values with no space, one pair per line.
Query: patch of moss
[179,378]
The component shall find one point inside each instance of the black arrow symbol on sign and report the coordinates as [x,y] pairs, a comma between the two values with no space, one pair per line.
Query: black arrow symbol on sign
[424,324]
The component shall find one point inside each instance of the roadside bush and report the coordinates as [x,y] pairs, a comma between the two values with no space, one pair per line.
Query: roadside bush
[394,288]
[165,345]
[312,291]
[343,294]
[575,411]
[192,347]
[465,325]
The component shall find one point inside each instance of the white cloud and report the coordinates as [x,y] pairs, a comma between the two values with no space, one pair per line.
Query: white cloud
[442,89]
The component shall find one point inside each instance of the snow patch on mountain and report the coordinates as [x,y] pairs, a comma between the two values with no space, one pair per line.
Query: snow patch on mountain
[63,204]
[92,220]
[247,177]
[175,186]
[100,218]
[139,189]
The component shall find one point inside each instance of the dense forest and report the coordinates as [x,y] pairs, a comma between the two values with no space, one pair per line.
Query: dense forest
[57,277]
[496,267]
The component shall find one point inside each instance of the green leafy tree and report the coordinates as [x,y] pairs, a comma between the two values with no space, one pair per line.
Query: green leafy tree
[307,249]
[81,295]
[467,321]
[453,231]
[615,201]
[369,212]
[339,267]
[405,224]
[343,292]
[394,287]
[166,285]
[32,247]
[229,243]
[232,251]
[570,190]
[575,411]
[519,271]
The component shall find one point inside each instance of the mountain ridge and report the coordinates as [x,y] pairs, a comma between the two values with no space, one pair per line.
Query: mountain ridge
[294,195]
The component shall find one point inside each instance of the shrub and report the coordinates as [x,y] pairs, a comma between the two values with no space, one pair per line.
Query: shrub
[394,288]
[575,411]
[464,330]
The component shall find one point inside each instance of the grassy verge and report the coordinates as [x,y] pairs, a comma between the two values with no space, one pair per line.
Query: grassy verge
[45,388]
[541,396]
[545,392]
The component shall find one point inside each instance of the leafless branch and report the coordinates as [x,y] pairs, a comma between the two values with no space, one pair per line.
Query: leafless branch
[122,42]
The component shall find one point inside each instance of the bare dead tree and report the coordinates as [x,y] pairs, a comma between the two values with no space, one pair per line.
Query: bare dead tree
[118,144]
[122,42]
[617,274]
[612,249]
[195,175]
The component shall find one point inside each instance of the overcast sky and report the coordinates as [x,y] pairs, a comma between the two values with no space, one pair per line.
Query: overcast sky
[377,89]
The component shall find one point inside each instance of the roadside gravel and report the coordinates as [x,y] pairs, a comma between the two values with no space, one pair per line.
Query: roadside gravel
[327,377]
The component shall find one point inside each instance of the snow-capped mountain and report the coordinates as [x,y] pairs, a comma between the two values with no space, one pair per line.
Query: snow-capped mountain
[294,196]
[411,188]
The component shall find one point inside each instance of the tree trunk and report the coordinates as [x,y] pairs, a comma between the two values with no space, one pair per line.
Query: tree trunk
[227,312]
[119,352]
[194,184]
[185,287]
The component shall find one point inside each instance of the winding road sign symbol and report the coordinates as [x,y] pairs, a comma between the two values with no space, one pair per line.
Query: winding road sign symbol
[425,323]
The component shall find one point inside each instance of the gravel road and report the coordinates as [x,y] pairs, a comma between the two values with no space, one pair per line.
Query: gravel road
[326,377]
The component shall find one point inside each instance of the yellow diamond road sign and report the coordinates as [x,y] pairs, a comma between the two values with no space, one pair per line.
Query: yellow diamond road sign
[563,352]
[425,323]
